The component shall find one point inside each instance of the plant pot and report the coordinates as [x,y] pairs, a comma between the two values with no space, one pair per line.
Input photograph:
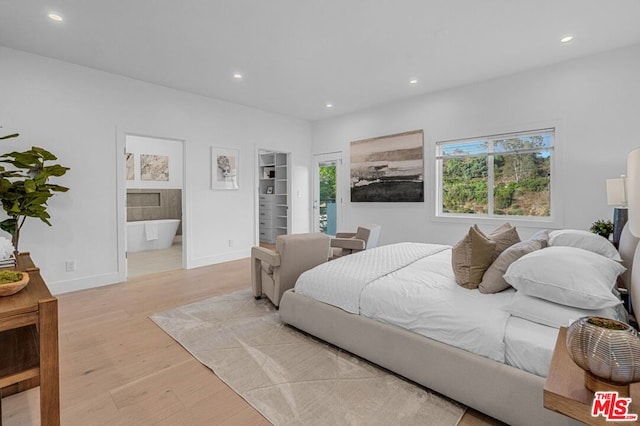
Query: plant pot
[608,351]
[9,289]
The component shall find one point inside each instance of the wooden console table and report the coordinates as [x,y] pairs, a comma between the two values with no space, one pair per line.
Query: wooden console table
[564,389]
[29,343]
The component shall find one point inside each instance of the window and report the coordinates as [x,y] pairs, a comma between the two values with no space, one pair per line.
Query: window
[496,176]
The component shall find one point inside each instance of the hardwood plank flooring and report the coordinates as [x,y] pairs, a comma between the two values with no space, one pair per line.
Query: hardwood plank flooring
[153,261]
[118,368]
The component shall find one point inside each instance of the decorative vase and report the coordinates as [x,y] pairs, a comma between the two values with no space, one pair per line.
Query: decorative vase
[8,289]
[607,350]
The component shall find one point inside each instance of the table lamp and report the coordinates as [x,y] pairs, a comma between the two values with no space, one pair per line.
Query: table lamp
[617,196]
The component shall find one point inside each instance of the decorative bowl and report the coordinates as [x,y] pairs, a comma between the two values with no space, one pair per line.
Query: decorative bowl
[12,288]
[608,351]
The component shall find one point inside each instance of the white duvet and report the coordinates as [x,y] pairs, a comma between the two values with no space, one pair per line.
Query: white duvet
[412,286]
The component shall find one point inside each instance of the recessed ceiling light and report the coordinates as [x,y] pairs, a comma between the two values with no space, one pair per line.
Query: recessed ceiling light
[566,39]
[329,105]
[414,81]
[55,17]
[237,76]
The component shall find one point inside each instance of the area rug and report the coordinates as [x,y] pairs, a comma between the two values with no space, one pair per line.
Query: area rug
[293,378]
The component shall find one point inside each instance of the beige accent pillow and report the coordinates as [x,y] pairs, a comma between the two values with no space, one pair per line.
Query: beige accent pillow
[492,280]
[504,236]
[471,256]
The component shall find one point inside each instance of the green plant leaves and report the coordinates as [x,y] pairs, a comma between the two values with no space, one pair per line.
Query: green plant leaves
[25,190]
[9,225]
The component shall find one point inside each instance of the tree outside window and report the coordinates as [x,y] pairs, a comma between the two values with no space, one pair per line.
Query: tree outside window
[507,175]
[327,193]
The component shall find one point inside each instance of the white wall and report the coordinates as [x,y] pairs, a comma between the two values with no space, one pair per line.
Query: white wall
[141,145]
[593,101]
[81,115]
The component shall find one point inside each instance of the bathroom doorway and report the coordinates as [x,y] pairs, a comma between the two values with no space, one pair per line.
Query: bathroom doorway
[154,170]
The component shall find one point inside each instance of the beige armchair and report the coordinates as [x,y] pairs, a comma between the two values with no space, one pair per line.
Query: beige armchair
[365,237]
[274,272]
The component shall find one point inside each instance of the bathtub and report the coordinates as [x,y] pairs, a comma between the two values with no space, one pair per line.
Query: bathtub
[151,234]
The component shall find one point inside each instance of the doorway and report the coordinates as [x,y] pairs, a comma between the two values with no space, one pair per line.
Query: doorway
[327,198]
[154,170]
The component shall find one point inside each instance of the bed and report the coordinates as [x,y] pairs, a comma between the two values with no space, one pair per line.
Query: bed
[499,372]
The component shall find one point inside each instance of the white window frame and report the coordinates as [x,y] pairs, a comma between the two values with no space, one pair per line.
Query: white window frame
[555,205]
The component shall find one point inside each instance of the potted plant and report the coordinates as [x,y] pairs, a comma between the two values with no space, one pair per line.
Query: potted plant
[25,188]
[602,227]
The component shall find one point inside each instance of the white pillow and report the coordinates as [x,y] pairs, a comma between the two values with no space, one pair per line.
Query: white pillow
[555,315]
[568,276]
[585,240]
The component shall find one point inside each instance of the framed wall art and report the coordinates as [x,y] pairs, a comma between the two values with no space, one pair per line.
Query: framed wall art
[388,168]
[224,168]
[154,167]
[130,166]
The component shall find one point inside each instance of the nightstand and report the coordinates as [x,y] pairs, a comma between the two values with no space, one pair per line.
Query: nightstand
[564,389]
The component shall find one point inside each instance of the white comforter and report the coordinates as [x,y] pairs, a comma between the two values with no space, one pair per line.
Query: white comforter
[412,286]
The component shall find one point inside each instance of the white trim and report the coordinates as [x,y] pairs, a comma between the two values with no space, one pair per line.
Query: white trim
[315,187]
[556,220]
[84,283]
[226,257]
[532,132]
[121,191]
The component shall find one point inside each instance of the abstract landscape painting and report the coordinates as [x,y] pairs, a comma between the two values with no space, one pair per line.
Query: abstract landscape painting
[388,168]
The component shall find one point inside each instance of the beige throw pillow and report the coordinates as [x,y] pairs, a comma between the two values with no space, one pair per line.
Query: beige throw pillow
[504,236]
[471,256]
[493,281]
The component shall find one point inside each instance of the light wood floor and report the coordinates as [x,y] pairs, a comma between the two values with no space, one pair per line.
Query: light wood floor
[153,261]
[118,368]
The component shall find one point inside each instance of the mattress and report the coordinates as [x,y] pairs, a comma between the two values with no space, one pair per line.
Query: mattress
[529,346]
[424,298]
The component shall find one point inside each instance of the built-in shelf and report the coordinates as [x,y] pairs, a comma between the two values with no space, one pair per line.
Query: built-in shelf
[273,173]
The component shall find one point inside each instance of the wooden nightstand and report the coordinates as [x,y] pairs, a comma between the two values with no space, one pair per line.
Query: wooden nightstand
[564,389]
[29,342]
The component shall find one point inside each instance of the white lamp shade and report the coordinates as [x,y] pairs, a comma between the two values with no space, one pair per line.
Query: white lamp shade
[616,194]
[633,191]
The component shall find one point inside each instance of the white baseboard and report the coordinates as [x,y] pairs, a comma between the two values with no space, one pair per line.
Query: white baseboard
[83,283]
[93,281]
[212,260]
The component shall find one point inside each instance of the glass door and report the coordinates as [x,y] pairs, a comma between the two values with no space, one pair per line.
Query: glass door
[327,196]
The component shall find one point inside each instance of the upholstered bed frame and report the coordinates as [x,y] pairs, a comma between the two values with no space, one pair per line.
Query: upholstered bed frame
[498,390]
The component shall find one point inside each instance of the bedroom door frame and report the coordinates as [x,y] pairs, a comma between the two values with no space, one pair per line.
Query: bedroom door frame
[121,198]
[318,160]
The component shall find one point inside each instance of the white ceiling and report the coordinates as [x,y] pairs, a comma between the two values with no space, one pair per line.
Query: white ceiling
[298,55]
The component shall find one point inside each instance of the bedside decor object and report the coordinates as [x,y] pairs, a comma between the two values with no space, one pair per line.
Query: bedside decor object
[25,188]
[7,256]
[12,282]
[607,350]
[617,196]
[602,227]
